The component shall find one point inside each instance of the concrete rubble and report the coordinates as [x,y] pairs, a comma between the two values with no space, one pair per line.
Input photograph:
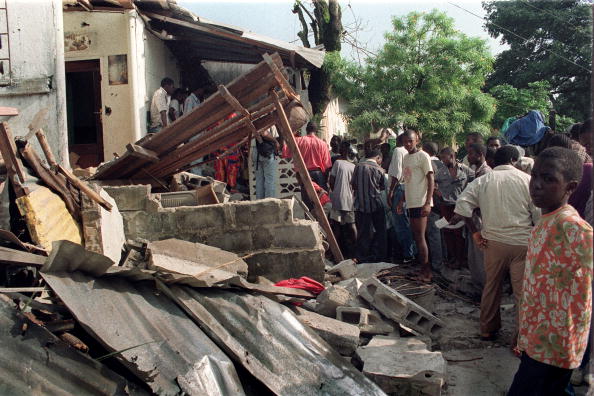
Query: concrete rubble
[403,366]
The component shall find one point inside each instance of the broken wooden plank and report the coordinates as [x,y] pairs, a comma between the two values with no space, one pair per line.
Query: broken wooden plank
[8,151]
[287,134]
[18,257]
[23,289]
[141,152]
[8,111]
[51,160]
[82,186]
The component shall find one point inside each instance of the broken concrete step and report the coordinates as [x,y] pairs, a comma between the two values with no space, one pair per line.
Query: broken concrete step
[341,336]
[368,321]
[399,308]
[403,366]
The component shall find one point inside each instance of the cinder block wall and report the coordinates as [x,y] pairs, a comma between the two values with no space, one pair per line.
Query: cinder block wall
[281,246]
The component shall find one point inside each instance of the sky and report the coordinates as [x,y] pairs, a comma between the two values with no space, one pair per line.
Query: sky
[274,18]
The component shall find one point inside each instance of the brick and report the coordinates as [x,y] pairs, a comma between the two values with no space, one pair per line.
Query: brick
[399,308]
[368,321]
[345,269]
[403,366]
[341,336]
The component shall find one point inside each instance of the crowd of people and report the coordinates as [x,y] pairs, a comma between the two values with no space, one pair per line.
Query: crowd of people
[496,212]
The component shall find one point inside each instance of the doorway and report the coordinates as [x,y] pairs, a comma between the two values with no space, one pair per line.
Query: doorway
[83,104]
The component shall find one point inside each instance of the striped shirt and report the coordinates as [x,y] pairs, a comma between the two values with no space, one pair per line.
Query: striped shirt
[368,183]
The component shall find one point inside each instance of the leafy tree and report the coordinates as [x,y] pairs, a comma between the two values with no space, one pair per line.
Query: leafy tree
[427,75]
[326,26]
[513,102]
[557,49]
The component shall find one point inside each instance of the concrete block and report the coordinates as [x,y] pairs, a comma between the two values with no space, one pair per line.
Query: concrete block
[129,197]
[279,264]
[399,308]
[341,336]
[300,234]
[403,366]
[367,270]
[332,298]
[264,211]
[192,217]
[103,230]
[368,321]
[345,269]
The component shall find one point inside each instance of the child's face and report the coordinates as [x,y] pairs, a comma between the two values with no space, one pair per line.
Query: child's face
[548,188]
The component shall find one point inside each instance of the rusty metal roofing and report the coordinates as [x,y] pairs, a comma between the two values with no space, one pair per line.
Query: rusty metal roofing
[271,343]
[36,362]
[164,343]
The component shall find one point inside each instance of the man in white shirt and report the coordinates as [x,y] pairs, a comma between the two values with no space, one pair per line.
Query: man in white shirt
[160,105]
[508,216]
[395,195]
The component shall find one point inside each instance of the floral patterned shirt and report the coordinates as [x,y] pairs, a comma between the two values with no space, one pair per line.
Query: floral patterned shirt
[557,291]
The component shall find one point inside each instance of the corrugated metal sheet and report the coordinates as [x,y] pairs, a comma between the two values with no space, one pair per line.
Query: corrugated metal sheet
[47,218]
[38,363]
[267,338]
[121,315]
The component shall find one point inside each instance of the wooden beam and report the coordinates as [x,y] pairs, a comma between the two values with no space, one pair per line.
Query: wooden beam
[18,257]
[8,151]
[84,188]
[141,152]
[8,111]
[287,134]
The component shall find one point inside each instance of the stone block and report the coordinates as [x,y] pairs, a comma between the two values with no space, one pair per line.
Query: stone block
[262,212]
[345,269]
[368,321]
[302,234]
[403,366]
[332,298]
[341,336]
[279,264]
[189,218]
[103,230]
[399,308]
[236,241]
[129,197]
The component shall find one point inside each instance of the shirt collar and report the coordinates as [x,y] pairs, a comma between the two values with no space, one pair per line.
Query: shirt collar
[504,167]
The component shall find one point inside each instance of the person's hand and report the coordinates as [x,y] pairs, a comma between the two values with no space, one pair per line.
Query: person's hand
[390,198]
[400,208]
[479,240]
[425,210]
[456,218]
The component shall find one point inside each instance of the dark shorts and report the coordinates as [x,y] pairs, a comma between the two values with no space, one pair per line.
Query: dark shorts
[415,213]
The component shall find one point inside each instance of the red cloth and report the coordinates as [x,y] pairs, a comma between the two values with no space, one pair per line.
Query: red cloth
[303,283]
[315,152]
[322,194]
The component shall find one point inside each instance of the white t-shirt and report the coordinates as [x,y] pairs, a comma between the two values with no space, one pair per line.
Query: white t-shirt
[159,103]
[395,169]
[415,169]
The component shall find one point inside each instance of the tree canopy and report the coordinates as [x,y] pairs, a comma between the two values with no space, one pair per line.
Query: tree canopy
[549,41]
[513,102]
[427,75]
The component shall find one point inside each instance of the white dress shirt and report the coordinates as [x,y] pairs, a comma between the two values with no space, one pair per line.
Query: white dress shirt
[507,211]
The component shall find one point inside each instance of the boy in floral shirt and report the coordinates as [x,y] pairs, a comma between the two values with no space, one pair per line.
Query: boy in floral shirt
[557,293]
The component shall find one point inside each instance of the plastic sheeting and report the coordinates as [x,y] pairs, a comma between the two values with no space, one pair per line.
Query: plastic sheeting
[158,342]
[271,343]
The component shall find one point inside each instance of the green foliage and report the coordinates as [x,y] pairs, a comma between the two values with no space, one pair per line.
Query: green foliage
[559,36]
[514,102]
[428,75]
[563,123]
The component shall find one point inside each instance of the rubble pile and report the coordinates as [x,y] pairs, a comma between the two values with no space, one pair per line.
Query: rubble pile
[112,286]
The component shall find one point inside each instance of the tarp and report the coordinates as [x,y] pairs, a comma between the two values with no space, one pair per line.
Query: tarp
[527,130]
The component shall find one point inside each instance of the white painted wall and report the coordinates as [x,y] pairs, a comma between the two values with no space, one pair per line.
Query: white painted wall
[108,33]
[37,70]
[149,60]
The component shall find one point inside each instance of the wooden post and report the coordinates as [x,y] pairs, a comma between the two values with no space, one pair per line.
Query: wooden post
[287,134]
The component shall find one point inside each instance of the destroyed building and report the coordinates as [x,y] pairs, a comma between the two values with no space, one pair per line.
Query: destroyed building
[138,277]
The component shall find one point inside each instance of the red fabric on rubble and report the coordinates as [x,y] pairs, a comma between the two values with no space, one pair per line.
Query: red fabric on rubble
[303,283]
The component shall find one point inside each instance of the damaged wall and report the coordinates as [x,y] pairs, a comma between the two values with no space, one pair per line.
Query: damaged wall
[280,246]
[148,60]
[33,78]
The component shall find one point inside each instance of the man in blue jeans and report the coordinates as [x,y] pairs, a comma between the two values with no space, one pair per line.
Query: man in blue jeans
[266,163]
[395,195]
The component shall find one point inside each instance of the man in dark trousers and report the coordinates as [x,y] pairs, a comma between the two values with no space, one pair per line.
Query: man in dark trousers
[369,180]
